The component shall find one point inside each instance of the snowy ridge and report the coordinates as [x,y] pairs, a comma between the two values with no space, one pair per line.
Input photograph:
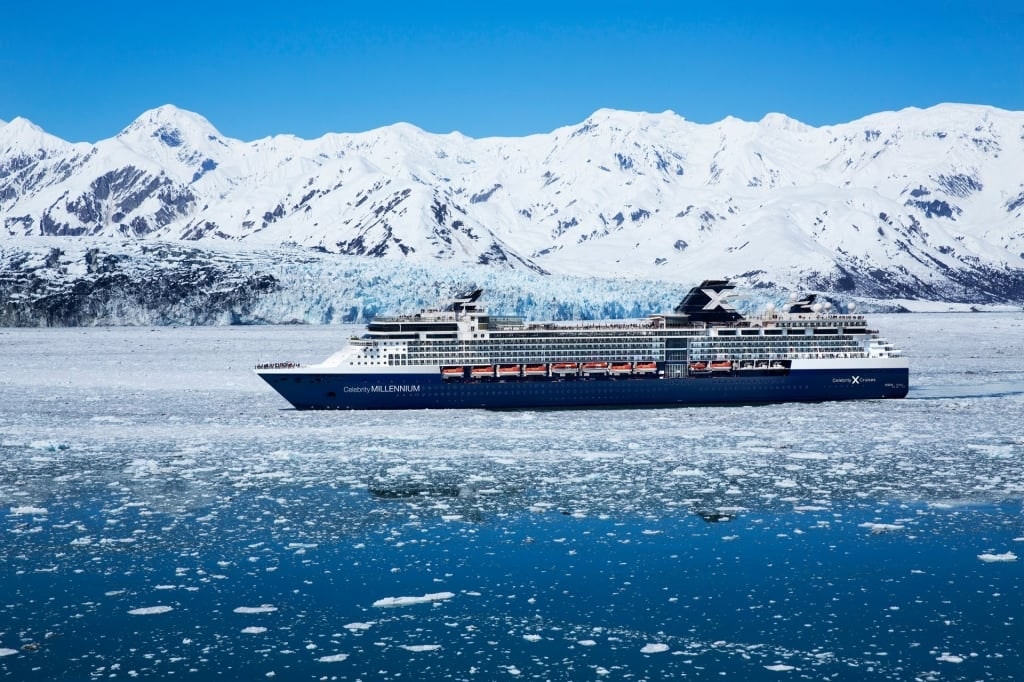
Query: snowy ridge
[916,204]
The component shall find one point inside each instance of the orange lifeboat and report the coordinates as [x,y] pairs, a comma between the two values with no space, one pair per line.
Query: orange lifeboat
[508,370]
[481,371]
[452,372]
[646,367]
[536,370]
[698,367]
[621,368]
[595,367]
[721,366]
[563,368]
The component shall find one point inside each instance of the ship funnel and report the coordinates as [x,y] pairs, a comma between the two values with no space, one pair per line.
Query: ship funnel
[709,302]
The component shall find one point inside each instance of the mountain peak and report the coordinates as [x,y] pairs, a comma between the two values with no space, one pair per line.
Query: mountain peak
[171,127]
[782,122]
[26,136]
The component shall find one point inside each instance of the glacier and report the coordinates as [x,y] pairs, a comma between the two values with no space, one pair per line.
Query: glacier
[82,281]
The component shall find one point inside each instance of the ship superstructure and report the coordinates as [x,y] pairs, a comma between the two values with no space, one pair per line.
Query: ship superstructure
[704,352]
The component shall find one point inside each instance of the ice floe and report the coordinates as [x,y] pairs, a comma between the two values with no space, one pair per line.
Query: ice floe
[879,528]
[993,558]
[150,610]
[264,608]
[654,648]
[357,627]
[29,511]
[392,602]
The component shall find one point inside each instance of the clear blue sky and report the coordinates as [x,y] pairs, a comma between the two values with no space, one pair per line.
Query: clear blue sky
[85,70]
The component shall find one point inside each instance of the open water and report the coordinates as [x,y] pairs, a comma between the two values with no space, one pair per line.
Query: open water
[164,515]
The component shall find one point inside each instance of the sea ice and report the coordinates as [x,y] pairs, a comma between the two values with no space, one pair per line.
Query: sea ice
[654,648]
[420,647]
[1006,556]
[28,511]
[264,608]
[8,652]
[360,626]
[333,658]
[950,658]
[779,668]
[878,528]
[150,610]
[391,602]
[254,630]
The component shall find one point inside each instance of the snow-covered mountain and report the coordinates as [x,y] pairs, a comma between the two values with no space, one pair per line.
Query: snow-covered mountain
[924,204]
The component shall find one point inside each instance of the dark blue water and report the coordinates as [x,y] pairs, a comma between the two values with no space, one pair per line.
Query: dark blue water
[193,528]
[541,594]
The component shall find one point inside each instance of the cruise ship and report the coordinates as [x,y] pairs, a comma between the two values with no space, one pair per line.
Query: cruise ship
[703,353]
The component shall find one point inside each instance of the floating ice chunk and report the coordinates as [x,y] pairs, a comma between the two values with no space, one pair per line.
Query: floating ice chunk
[950,658]
[877,528]
[786,483]
[333,658]
[779,668]
[1006,556]
[360,626]
[532,638]
[587,642]
[656,648]
[420,647]
[28,511]
[8,652]
[253,630]
[391,602]
[150,610]
[263,608]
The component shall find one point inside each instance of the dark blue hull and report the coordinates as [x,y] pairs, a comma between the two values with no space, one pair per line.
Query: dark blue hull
[312,391]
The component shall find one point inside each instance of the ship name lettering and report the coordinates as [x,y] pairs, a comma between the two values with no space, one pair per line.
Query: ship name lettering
[384,388]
